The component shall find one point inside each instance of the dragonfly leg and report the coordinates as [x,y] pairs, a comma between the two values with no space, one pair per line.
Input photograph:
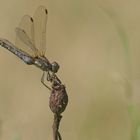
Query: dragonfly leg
[48,76]
[42,81]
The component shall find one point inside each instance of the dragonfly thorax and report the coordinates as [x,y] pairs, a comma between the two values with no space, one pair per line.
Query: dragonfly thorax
[42,63]
[45,65]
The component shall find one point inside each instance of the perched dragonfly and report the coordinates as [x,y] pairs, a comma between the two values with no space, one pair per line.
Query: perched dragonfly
[30,43]
[30,47]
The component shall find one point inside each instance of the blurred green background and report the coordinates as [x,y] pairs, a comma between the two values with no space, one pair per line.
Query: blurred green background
[97,44]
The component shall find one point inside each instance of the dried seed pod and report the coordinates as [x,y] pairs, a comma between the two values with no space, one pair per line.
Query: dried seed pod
[58,99]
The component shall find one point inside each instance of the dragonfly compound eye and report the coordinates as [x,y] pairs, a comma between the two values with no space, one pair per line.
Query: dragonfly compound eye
[55,67]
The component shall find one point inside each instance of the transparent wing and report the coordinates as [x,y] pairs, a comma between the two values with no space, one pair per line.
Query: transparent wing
[40,21]
[25,36]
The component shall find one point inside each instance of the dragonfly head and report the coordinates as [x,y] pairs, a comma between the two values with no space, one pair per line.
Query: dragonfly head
[55,67]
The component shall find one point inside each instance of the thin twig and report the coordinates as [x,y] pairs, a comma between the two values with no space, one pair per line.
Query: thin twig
[56,123]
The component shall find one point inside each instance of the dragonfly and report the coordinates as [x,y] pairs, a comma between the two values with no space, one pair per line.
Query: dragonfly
[30,44]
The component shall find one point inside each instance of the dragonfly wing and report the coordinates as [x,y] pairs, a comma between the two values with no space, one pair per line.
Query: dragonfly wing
[25,36]
[40,21]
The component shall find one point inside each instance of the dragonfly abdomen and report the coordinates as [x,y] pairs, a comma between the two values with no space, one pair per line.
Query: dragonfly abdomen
[22,55]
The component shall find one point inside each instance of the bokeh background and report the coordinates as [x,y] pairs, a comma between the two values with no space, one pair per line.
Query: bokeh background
[97,44]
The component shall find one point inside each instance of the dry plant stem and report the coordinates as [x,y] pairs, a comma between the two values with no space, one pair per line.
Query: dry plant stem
[58,102]
[56,134]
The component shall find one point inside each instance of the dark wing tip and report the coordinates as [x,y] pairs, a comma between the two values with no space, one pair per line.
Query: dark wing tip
[46,11]
[31,19]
